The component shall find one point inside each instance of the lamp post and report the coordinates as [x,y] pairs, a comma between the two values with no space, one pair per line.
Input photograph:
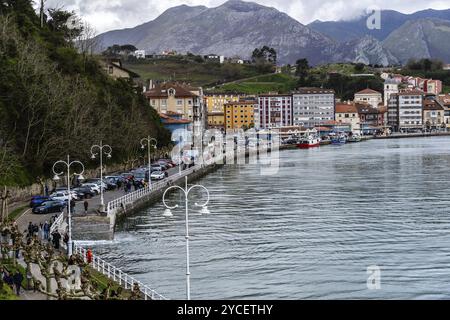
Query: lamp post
[68,164]
[168,213]
[102,150]
[149,141]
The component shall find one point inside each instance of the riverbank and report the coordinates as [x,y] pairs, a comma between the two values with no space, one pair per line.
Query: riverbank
[413,135]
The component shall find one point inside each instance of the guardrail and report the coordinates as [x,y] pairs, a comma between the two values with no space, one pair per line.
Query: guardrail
[57,222]
[117,275]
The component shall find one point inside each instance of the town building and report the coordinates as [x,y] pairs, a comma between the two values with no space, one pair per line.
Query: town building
[139,54]
[240,115]
[275,111]
[372,120]
[372,97]
[114,69]
[433,114]
[405,111]
[179,98]
[390,87]
[173,121]
[432,86]
[312,106]
[348,113]
[445,102]
[214,58]
[216,119]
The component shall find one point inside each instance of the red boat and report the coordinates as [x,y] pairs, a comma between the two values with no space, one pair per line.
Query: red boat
[309,142]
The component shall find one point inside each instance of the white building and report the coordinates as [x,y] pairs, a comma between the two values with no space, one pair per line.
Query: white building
[312,106]
[372,97]
[275,111]
[140,54]
[390,87]
[405,111]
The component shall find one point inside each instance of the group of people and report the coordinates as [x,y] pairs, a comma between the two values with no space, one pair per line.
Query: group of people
[42,231]
[131,182]
[12,279]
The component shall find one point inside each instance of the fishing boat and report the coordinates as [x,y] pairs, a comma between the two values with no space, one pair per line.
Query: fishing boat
[354,138]
[309,141]
[339,139]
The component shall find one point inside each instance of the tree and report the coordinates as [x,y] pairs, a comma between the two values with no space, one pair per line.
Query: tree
[264,55]
[359,67]
[302,70]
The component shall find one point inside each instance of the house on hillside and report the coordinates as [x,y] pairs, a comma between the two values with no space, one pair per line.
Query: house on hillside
[114,69]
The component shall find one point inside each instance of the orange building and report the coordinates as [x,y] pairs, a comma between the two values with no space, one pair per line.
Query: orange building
[240,115]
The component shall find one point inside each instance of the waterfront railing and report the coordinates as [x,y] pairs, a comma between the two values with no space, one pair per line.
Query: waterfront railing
[118,276]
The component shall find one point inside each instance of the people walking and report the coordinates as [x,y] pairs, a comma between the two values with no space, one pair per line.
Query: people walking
[17,279]
[72,205]
[46,229]
[56,237]
[86,206]
[89,256]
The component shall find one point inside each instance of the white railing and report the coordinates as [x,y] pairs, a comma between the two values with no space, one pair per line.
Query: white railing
[138,194]
[117,275]
[58,222]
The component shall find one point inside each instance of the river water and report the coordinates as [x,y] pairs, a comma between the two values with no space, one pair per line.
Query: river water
[309,232]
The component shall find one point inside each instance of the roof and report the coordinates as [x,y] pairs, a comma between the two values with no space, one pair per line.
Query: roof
[368,91]
[117,63]
[346,108]
[238,103]
[176,121]
[432,105]
[313,91]
[323,129]
[161,91]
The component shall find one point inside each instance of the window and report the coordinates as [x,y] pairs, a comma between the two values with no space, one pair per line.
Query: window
[179,102]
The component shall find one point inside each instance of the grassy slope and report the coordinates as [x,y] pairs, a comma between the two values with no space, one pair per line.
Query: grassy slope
[262,84]
[196,73]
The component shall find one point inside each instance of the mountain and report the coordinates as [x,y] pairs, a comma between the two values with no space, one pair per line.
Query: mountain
[357,28]
[423,38]
[367,50]
[234,28]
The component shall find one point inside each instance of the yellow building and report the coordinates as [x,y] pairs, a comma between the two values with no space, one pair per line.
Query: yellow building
[215,119]
[240,115]
[215,102]
[114,69]
[178,98]
[348,113]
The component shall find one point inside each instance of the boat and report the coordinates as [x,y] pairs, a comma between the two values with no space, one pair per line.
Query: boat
[354,138]
[339,139]
[309,142]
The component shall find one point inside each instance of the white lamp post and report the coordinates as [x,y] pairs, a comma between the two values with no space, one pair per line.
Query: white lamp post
[168,213]
[68,164]
[151,142]
[106,150]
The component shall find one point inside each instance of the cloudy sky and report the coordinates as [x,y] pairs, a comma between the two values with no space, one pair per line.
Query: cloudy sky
[105,15]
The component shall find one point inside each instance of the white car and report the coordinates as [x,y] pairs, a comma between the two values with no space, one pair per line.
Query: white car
[94,187]
[157,175]
[62,196]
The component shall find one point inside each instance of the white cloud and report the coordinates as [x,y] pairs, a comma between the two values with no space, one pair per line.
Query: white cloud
[106,15]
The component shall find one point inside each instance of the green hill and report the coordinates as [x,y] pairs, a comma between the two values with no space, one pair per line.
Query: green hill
[191,69]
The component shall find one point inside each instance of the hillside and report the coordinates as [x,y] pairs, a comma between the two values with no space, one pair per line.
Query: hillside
[56,102]
[261,84]
[423,38]
[191,70]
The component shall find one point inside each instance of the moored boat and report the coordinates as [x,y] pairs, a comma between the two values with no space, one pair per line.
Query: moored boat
[309,142]
[339,139]
[354,138]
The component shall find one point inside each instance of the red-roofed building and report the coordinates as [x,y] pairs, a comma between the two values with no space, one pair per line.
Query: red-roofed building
[372,97]
[348,113]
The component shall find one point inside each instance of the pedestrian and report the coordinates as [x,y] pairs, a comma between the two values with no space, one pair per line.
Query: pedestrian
[29,278]
[46,229]
[46,190]
[66,241]
[72,205]
[89,256]
[56,236]
[35,229]
[86,206]
[17,279]
[30,228]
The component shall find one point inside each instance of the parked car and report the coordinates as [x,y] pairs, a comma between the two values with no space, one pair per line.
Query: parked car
[61,196]
[84,192]
[63,189]
[93,186]
[157,175]
[38,200]
[164,163]
[98,182]
[157,167]
[51,206]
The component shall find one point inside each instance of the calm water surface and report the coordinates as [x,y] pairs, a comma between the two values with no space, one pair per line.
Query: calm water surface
[309,232]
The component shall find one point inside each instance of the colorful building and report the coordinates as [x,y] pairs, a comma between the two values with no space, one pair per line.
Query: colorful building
[275,111]
[240,115]
[348,113]
[433,114]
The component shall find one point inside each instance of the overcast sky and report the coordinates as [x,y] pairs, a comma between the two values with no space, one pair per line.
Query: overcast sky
[105,15]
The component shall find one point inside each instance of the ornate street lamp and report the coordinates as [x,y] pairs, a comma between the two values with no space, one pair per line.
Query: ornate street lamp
[168,213]
[68,165]
[102,150]
[151,142]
